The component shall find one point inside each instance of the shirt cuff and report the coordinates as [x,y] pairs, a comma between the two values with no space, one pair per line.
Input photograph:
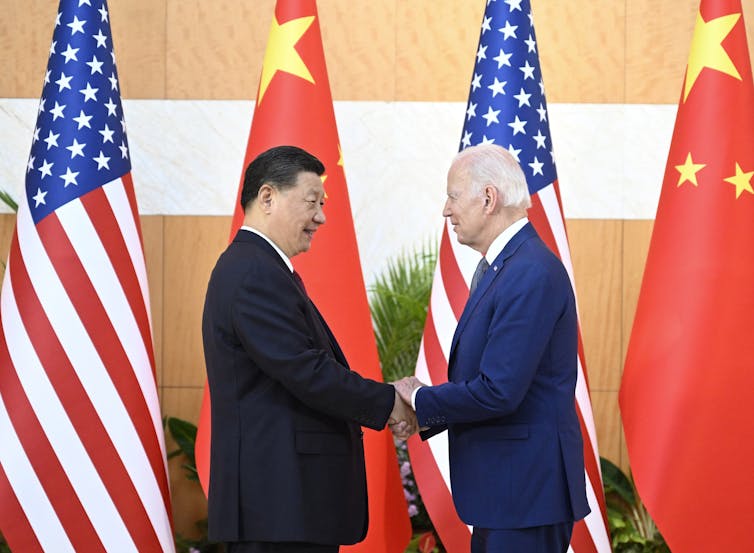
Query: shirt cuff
[413,397]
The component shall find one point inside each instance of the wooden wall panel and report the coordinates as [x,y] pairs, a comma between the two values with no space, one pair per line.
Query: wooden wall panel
[637,235]
[360,48]
[597,263]
[215,49]
[7,227]
[582,49]
[658,39]
[10,43]
[436,44]
[192,245]
[25,37]
[608,425]
[139,36]
[152,234]
[622,51]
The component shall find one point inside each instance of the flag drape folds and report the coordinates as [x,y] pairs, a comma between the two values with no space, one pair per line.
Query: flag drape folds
[688,381]
[82,461]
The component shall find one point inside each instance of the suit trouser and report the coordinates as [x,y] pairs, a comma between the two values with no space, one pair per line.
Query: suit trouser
[553,538]
[278,547]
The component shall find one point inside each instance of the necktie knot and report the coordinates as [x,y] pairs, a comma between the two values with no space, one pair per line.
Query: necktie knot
[481,268]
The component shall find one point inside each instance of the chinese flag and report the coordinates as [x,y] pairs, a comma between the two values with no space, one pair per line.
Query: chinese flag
[294,106]
[688,385]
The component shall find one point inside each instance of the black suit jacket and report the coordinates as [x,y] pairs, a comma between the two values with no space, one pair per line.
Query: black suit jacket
[287,459]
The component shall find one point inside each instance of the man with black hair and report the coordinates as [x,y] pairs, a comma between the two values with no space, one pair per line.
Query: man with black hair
[286,461]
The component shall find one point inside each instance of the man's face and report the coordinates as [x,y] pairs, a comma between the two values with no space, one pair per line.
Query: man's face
[464,208]
[298,213]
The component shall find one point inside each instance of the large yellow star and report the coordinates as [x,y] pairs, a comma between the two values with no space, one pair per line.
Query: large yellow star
[689,170]
[741,180]
[707,49]
[281,54]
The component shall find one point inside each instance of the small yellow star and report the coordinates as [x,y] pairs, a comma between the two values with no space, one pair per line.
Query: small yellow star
[323,178]
[340,156]
[281,54]
[741,180]
[707,49]
[689,170]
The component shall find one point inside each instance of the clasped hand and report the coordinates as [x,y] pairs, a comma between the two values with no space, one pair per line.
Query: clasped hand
[402,421]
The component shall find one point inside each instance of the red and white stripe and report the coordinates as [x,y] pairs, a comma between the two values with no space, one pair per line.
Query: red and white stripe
[429,459]
[82,462]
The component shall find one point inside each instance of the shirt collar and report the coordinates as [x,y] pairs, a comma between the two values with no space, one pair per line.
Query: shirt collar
[280,252]
[503,238]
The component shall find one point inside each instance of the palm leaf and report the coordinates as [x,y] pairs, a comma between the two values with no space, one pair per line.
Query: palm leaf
[398,303]
[184,434]
[8,200]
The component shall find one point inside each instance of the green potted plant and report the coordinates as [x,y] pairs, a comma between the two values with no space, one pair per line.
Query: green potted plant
[631,527]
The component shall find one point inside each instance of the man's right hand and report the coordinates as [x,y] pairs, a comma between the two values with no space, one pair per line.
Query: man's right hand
[402,421]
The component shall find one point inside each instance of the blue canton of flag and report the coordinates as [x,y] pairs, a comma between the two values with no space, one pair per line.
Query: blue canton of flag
[507,103]
[80,140]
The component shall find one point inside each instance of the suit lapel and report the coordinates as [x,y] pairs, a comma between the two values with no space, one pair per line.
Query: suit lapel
[339,356]
[526,232]
[261,243]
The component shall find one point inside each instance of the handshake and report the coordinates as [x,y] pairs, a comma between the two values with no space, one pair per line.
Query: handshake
[402,421]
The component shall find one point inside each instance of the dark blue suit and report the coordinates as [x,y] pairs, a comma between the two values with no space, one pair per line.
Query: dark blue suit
[515,447]
[286,459]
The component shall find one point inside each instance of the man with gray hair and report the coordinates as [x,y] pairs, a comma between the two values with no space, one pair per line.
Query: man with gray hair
[515,446]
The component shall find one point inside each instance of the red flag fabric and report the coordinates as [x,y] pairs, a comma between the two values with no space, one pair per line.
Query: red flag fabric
[688,383]
[507,107]
[294,106]
[82,460]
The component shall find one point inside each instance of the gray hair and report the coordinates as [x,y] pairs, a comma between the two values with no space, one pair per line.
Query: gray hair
[489,164]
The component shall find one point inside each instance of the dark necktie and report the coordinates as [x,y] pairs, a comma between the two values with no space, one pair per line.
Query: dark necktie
[300,282]
[481,268]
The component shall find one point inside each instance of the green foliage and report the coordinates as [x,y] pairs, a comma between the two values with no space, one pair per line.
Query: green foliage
[184,434]
[398,302]
[3,545]
[631,527]
[8,200]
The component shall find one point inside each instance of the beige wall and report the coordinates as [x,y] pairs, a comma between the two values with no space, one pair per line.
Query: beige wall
[612,51]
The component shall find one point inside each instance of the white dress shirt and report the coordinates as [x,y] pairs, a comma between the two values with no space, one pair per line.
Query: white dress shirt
[280,252]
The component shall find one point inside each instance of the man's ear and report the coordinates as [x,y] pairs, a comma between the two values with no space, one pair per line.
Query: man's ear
[265,196]
[491,198]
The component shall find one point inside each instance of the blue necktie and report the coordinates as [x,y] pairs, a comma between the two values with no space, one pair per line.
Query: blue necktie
[481,268]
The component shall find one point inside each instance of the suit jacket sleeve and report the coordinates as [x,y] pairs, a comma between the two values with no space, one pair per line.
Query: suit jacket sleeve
[526,309]
[275,326]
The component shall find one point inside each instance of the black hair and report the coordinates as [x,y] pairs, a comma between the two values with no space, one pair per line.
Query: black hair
[278,167]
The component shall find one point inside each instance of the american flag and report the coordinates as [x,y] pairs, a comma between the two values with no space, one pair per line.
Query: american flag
[506,107]
[82,461]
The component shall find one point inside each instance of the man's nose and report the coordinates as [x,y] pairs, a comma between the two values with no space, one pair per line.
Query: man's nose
[319,217]
[446,209]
